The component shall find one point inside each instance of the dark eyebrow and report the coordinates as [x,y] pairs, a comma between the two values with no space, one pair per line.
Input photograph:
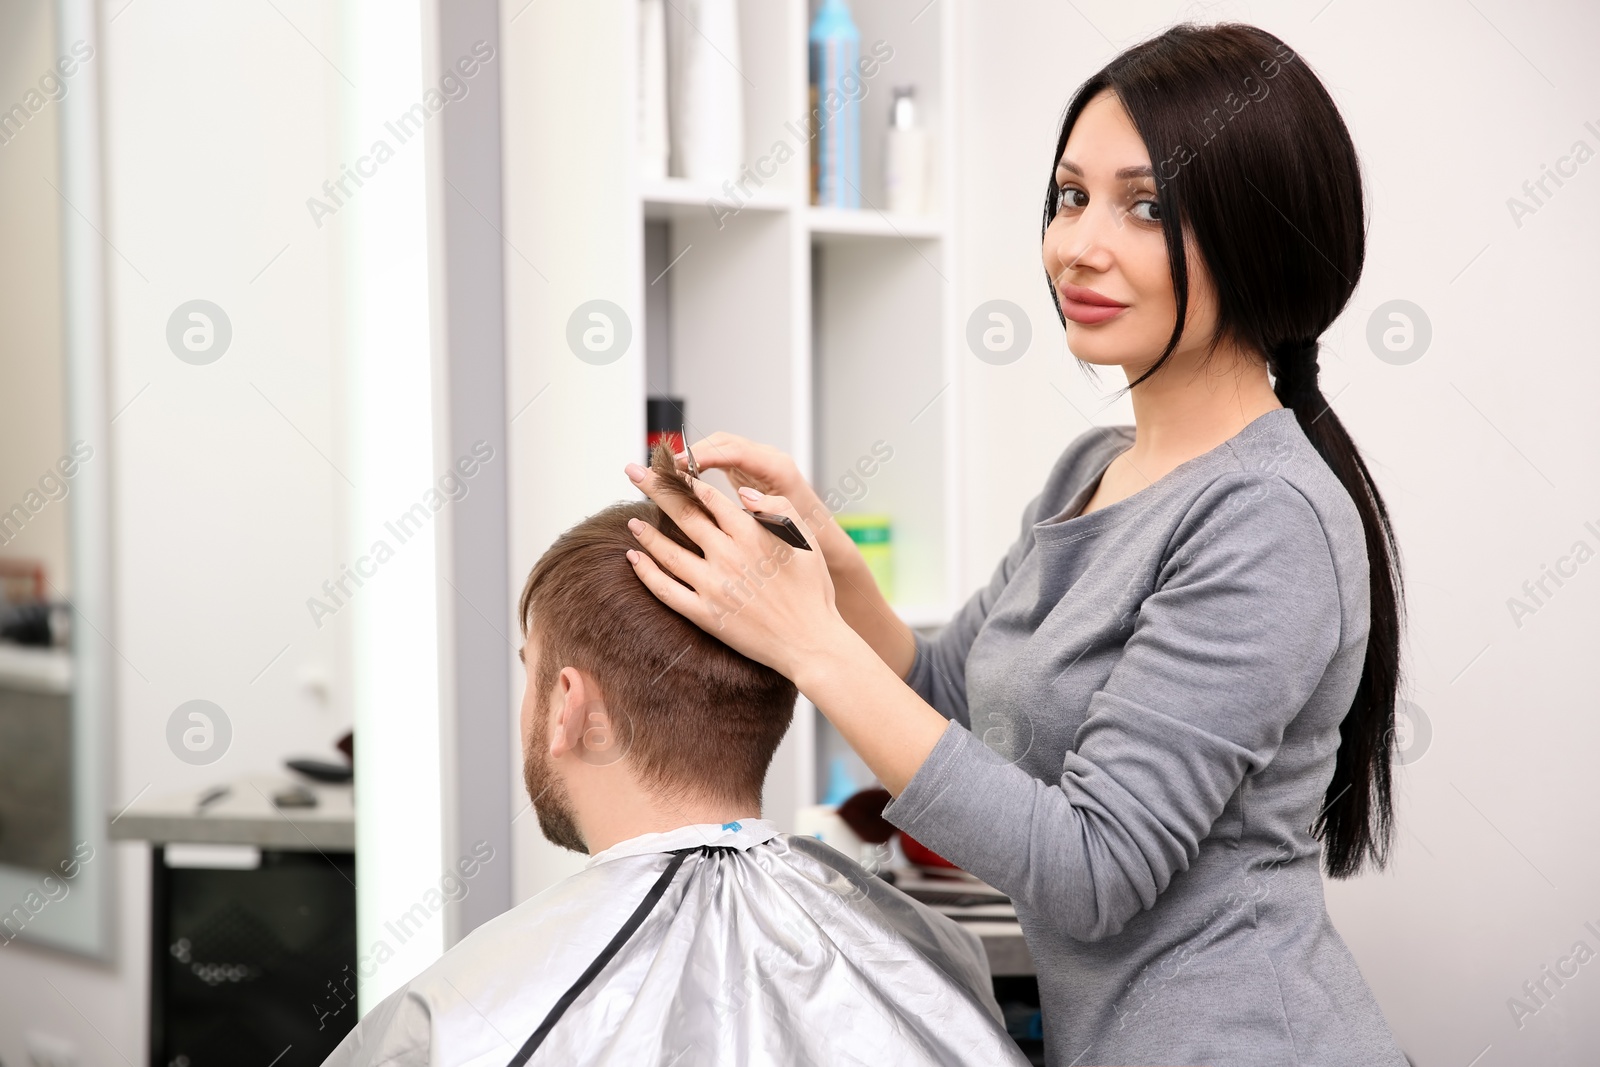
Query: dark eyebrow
[520,659]
[1123,174]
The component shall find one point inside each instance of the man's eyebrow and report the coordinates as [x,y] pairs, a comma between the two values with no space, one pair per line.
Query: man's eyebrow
[1123,174]
[520,659]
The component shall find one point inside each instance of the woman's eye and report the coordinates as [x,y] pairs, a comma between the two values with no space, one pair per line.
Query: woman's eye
[1064,195]
[1155,211]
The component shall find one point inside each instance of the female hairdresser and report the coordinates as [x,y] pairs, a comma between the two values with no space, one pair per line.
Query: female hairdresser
[1171,706]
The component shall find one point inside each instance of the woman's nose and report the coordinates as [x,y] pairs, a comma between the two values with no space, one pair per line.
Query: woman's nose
[1082,241]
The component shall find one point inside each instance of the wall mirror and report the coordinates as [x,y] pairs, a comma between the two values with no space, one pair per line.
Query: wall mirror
[55,618]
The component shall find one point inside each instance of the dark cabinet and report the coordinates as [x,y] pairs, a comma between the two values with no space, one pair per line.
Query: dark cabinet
[252,966]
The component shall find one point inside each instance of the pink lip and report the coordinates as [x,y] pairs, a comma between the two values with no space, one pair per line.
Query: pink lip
[1087,307]
[1088,314]
[1079,295]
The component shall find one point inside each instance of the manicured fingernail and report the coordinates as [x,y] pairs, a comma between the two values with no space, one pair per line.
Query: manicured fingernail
[635,525]
[635,472]
[633,557]
[749,493]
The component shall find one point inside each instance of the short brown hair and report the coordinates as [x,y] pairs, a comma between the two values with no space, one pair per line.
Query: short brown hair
[699,717]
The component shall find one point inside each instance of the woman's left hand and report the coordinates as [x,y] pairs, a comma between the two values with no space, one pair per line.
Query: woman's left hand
[757,594]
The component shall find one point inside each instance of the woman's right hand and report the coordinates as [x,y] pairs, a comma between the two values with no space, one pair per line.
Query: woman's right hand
[769,470]
[856,595]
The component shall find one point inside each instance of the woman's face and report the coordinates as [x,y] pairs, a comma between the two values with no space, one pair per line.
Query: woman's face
[1105,244]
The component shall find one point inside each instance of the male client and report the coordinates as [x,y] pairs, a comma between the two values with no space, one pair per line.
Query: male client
[696,934]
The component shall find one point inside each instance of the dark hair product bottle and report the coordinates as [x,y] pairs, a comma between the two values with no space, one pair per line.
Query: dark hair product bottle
[664,418]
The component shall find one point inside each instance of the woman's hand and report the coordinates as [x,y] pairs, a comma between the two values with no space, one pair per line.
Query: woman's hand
[757,594]
[772,472]
[775,603]
[859,602]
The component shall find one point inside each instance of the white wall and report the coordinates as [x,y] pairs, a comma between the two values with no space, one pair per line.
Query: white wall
[219,124]
[1485,449]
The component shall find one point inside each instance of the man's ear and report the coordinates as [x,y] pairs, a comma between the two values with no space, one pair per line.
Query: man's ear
[568,710]
[583,726]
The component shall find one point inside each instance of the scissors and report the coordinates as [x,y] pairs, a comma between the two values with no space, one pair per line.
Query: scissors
[781,525]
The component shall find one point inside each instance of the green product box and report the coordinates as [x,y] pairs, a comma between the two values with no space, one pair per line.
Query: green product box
[871,534]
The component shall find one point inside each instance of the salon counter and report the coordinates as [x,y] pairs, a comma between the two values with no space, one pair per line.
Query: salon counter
[978,907]
[1007,948]
[245,816]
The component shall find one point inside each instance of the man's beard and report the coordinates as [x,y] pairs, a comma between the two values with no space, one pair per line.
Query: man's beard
[551,802]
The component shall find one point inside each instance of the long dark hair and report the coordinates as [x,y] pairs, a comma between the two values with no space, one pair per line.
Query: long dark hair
[1252,158]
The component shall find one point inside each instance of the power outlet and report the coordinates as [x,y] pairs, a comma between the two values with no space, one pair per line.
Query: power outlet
[47,1050]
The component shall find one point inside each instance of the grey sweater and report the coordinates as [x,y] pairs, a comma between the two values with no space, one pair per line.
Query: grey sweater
[1145,707]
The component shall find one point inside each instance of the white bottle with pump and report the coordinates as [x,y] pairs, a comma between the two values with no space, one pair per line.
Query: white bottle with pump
[905,157]
[708,98]
[654,139]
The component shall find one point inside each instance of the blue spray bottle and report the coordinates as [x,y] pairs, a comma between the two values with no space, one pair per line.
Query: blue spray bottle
[836,77]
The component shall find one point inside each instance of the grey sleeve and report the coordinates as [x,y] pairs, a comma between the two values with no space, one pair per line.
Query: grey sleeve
[939,671]
[1239,630]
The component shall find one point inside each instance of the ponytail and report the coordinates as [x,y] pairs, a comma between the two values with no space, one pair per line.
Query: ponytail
[1357,816]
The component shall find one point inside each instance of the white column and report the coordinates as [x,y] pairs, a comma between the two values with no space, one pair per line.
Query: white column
[395,502]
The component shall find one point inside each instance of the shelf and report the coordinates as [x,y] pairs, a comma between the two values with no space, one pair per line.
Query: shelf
[882,399]
[831,334]
[38,670]
[831,223]
[675,198]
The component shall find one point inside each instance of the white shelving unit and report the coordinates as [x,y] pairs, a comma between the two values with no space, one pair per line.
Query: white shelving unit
[816,330]
[833,224]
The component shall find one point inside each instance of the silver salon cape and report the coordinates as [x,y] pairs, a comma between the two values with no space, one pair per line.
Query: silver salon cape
[767,948]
